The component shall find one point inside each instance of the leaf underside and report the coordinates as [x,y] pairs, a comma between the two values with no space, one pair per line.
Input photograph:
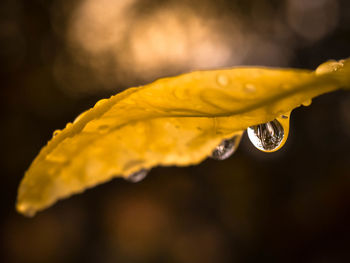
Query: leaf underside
[172,121]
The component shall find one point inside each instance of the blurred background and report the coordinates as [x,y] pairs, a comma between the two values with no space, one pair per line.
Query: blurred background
[57,58]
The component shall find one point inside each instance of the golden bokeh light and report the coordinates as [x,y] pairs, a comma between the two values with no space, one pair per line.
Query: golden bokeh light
[312,19]
[121,44]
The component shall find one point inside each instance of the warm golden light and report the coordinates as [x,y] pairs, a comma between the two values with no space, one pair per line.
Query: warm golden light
[122,44]
[312,19]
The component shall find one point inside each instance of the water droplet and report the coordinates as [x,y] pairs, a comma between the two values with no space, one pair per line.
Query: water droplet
[226,148]
[307,103]
[250,88]
[100,102]
[56,132]
[80,117]
[329,66]
[222,80]
[138,176]
[267,137]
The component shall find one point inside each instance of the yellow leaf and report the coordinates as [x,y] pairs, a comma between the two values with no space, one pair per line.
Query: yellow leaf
[173,121]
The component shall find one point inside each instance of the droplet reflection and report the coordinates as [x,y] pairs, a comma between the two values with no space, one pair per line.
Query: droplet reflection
[138,176]
[226,148]
[266,137]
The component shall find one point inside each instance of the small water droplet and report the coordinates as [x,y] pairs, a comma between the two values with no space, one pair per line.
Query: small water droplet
[250,88]
[79,117]
[307,103]
[100,102]
[266,137]
[222,80]
[138,176]
[56,132]
[226,148]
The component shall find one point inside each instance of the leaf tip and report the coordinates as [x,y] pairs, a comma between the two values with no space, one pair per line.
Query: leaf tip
[25,209]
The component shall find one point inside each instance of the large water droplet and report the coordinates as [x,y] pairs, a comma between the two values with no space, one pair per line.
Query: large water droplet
[267,137]
[329,66]
[138,176]
[226,148]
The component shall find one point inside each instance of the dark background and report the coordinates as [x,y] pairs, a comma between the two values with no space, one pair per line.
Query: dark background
[57,58]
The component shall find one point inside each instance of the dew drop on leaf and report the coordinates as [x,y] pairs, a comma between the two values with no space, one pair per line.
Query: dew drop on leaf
[329,66]
[137,176]
[56,132]
[80,116]
[268,136]
[249,88]
[222,80]
[100,102]
[226,148]
[307,103]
